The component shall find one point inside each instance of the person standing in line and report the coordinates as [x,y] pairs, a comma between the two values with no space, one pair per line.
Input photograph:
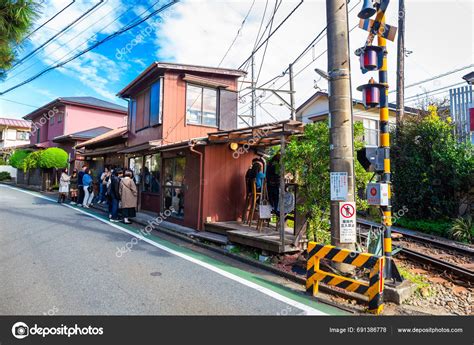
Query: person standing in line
[88,189]
[128,196]
[80,185]
[73,187]
[63,186]
[103,185]
[114,195]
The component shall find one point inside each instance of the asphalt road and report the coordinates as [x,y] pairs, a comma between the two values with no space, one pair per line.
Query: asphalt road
[57,260]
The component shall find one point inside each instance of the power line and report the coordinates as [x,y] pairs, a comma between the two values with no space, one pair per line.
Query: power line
[77,35]
[95,45]
[438,76]
[312,44]
[238,33]
[272,33]
[58,34]
[430,92]
[12,101]
[266,45]
[46,22]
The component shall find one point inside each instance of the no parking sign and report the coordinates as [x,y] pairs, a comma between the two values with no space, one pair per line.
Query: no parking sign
[347,222]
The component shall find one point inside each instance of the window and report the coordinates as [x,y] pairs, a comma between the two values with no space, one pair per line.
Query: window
[151,174]
[135,164]
[371,132]
[132,112]
[1,135]
[173,189]
[155,103]
[21,135]
[38,135]
[142,119]
[201,105]
[51,120]
[60,117]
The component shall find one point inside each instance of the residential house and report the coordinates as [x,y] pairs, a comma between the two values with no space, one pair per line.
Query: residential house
[316,108]
[66,121]
[188,157]
[13,132]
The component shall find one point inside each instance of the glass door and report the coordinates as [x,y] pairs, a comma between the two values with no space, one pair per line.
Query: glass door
[174,188]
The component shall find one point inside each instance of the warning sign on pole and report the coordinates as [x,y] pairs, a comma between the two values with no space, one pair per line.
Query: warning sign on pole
[347,222]
[338,186]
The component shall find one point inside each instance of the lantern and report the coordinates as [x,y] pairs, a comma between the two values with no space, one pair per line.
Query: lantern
[371,58]
[371,93]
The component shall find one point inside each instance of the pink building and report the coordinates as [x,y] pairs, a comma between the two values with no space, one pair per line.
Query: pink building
[67,121]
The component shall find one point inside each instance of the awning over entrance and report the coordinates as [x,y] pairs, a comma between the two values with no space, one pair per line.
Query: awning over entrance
[262,135]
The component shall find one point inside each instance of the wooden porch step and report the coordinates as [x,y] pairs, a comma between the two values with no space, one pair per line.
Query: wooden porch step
[217,228]
[211,237]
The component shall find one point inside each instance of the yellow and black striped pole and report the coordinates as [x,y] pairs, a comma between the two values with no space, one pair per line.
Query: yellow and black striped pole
[385,145]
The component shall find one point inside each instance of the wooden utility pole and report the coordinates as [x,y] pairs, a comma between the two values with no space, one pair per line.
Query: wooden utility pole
[340,114]
[401,63]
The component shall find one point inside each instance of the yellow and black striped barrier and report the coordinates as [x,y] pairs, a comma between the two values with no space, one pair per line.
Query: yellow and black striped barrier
[373,289]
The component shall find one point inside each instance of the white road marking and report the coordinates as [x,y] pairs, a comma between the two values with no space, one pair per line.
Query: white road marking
[309,310]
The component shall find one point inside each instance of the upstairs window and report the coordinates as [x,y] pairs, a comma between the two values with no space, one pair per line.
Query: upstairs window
[21,135]
[148,107]
[201,105]
[38,135]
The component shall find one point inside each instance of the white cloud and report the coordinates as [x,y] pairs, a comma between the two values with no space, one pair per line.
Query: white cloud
[94,70]
[199,32]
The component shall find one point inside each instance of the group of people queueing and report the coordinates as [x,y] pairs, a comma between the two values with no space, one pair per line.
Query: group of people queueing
[117,188]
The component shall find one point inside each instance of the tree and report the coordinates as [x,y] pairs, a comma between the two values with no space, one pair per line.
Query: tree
[308,158]
[16,19]
[53,157]
[32,161]
[431,169]
[17,158]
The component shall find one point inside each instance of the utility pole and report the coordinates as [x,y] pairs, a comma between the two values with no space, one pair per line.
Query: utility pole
[340,114]
[401,63]
[292,94]
[253,89]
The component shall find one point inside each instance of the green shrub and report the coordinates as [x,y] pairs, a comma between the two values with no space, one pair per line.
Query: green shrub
[53,157]
[463,230]
[308,158]
[5,175]
[440,227]
[32,160]
[432,171]
[16,159]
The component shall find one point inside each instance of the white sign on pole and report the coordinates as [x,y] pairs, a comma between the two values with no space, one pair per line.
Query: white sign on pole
[347,222]
[338,186]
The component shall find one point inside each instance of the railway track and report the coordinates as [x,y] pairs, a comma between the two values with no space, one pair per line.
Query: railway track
[420,249]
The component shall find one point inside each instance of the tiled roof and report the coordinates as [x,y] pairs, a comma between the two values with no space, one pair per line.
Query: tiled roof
[87,134]
[84,101]
[114,133]
[15,123]
[95,102]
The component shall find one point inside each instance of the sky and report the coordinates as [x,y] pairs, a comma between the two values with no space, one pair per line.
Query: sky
[439,35]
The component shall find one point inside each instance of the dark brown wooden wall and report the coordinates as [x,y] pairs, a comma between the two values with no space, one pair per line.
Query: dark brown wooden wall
[224,183]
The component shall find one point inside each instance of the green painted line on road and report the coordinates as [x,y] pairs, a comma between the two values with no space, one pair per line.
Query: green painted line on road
[284,291]
[297,296]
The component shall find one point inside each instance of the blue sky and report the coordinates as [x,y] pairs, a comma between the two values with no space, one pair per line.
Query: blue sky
[440,34]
